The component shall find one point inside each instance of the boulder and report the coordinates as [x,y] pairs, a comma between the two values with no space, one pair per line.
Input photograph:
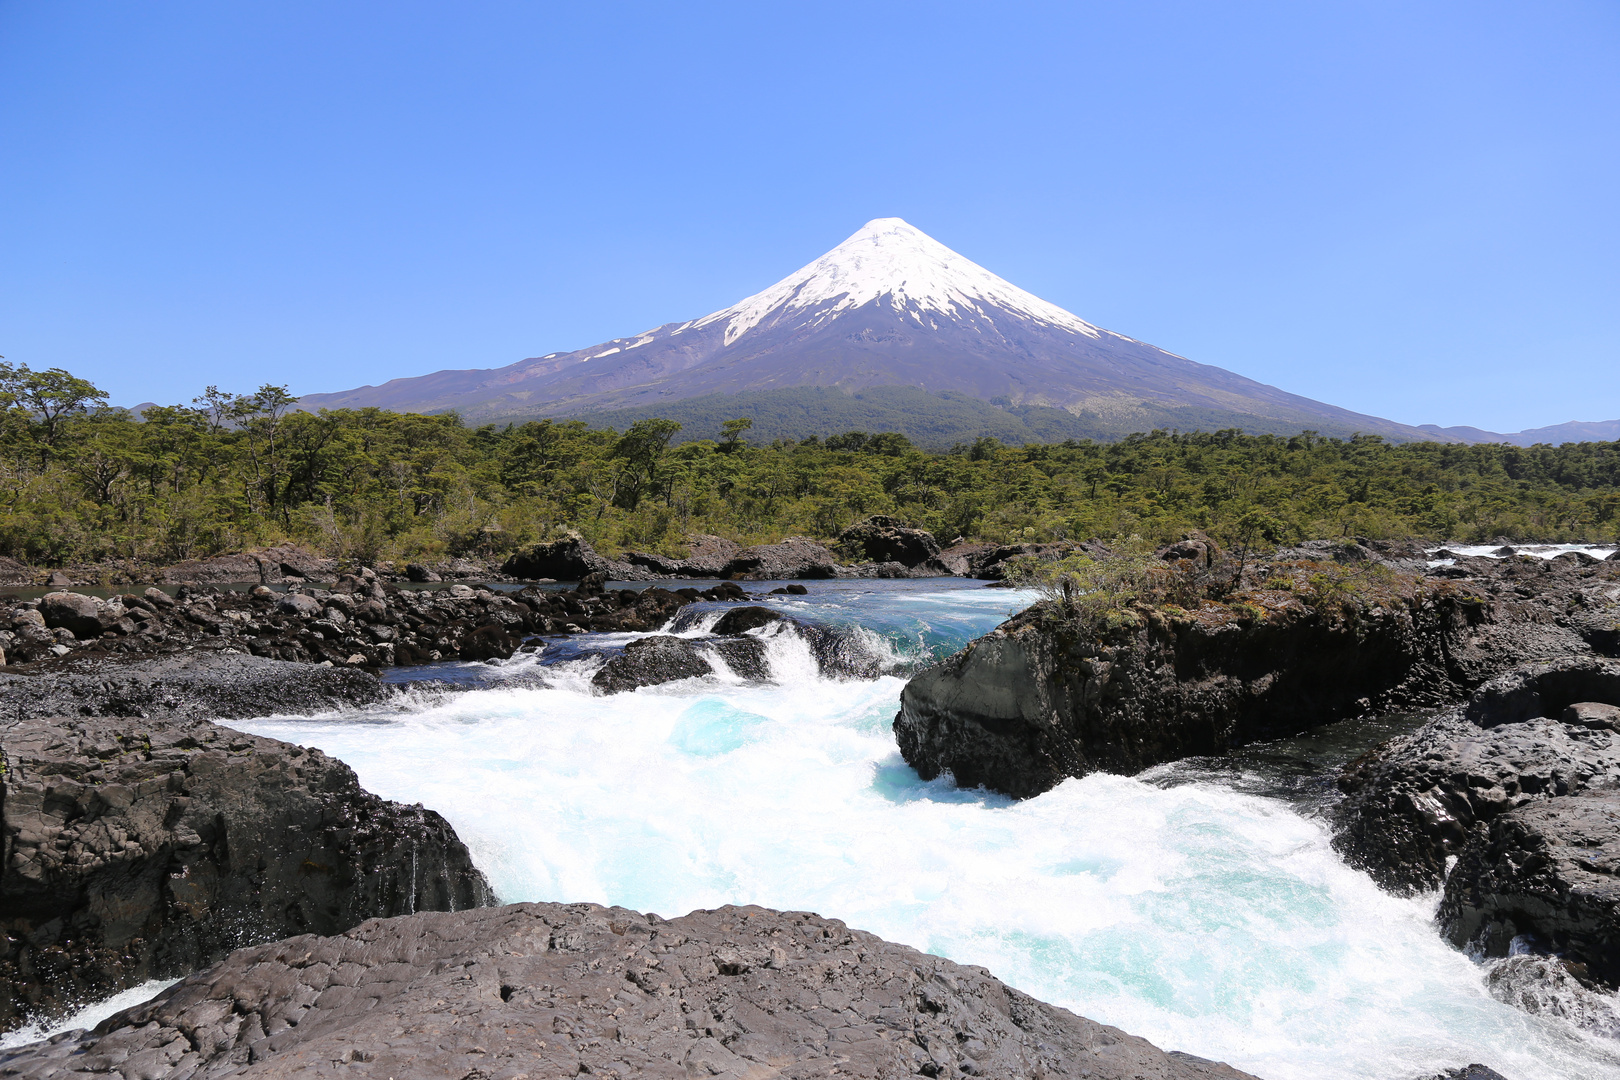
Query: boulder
[85,617]
[1614,556]
[419,573]
[13,572]
[792,558]
[1416,801]
[743,619]
[568,559]
[1543,876]
[550,990]
[489,642]
[649,661]
[215,570]
[58,580]
[139,849]
[1194,547]
[880,538]
[299,605]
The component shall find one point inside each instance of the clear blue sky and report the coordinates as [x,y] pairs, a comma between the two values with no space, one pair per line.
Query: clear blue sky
[1409,209]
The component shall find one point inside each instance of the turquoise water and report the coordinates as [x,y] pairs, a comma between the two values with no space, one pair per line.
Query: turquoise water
[1196,914]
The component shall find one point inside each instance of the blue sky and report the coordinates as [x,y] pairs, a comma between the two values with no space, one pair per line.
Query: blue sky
[1405,209]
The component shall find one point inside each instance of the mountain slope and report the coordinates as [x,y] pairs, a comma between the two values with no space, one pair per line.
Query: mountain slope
[889,307]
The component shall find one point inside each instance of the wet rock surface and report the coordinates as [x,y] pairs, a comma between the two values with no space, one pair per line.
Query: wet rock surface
[1417,800]
[1040,699]
[649,661]
[146,848]
[542,990]
[1546,876]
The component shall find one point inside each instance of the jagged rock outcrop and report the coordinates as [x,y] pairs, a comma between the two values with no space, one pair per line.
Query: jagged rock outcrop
[1544,875]
[545,990]
[146,848]
[1417,800]
[1044,697]
[272,566]
[792,558]
[649,661]
[567,559]
[881,538]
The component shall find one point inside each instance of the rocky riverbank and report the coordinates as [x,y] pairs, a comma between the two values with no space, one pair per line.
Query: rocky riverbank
[1519,789]
[359,621]
[543,990]
[1298,643]
[138,848]
[875,547]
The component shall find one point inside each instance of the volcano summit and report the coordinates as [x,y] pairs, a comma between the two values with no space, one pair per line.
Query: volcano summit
[891,328]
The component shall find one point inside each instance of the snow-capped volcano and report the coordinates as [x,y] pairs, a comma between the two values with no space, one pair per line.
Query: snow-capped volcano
[894,263]
[888,307]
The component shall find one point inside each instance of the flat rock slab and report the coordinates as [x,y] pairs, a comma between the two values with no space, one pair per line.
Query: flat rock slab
[550,990]
[203,685]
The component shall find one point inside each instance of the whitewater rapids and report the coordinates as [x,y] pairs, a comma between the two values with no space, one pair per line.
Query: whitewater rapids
[1194,914]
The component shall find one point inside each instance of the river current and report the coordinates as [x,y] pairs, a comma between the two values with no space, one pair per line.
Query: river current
[1198,905]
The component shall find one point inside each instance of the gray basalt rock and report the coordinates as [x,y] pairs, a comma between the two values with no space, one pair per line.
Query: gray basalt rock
[85,617]
[138,849]
[793,558]
[1546,874]
[1417,800]
[189,686]
[544,990]
[649,661]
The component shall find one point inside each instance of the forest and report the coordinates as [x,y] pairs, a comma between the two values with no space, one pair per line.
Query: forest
[85,483]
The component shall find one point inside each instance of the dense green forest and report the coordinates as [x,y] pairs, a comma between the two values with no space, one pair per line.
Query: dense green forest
[85,483]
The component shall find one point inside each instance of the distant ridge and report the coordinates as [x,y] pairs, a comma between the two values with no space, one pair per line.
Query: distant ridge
[893,308]
[1574,431]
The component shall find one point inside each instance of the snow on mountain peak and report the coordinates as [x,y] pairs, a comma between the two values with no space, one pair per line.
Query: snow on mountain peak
[891,259]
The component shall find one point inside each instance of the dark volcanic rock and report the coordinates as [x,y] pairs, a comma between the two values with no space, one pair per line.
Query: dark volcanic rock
[568,559]
[84,617]
[1547,873]
[1041,698]
[1418,799]
[137,849]
[650,661]
[738,620]
[1036,700]
[880,538]
[548,990]
[195,685]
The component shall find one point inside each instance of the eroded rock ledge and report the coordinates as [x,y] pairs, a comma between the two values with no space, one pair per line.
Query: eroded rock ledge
[145,848]
[547,990]
[1041,699]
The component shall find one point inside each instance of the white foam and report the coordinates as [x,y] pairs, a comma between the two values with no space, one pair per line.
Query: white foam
[1207,921]
[88,1016]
